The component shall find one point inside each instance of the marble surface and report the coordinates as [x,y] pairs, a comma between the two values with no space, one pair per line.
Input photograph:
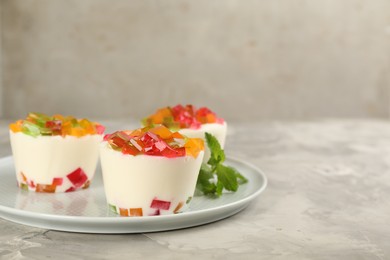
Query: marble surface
[327,198]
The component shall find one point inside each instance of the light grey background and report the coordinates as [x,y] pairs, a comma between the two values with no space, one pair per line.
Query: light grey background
[278,59]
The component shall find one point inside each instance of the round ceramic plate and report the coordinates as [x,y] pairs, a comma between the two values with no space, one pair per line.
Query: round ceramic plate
[87,211]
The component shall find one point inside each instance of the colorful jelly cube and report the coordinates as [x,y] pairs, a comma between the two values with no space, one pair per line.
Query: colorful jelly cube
[136,212]
[178,207]
[77,177]
[160,204]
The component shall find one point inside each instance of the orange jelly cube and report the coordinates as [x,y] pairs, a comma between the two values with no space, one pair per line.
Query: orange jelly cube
[158,117]
[136,212]
[58,117]
[23,177]
[211,118]
[162,131]
[46,188]
[66,128]
[77,131]
[123,212]
[194,146]
[87,126]
[178,207]
[16,127]
[86,184]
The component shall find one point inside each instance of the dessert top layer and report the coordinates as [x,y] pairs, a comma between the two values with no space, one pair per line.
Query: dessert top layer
[179,117]
[155,141]
[37,124]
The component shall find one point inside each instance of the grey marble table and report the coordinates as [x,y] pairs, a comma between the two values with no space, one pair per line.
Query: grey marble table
[327,198]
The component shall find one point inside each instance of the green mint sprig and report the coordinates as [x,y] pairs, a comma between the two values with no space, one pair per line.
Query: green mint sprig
[214,176]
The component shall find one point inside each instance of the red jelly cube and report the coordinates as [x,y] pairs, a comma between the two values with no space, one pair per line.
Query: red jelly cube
[117,141]
[71,189]
[128,149]
[176,110]
[54,125]
[156,213]
[57,181]
[172,153]
[160,204]
[77,177]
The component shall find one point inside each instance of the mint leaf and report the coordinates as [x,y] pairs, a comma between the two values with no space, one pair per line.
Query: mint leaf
[204,182]
[214,177]
[219,188]
[241,179]
[227,176]
[217,154]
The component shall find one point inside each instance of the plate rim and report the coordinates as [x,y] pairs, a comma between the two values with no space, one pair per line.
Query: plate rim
[238,206]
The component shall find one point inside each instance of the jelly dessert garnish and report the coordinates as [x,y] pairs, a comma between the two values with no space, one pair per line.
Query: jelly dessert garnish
[179,117]
[155,141]
[37,124]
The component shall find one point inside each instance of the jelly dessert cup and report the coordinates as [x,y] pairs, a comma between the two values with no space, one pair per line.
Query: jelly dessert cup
[55,153]
[190,122]
[150,171]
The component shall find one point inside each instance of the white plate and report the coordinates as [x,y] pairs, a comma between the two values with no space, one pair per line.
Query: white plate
[87,211]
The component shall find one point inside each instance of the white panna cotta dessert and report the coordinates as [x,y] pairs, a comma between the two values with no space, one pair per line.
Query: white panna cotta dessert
[150,171]
[55,153]
[190,122]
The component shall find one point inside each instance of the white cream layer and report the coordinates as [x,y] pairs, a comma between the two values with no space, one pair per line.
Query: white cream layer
[217,130]
[135,181]
[43,158]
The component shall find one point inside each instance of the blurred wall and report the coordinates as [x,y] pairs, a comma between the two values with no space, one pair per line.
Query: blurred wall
[1,59]
[277,59]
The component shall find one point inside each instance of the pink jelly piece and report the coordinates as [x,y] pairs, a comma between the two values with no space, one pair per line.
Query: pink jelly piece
[57,181]
[77,177]
[161,145]
[153,145]
[160,204]
[99,129]
[149,139]
[155,213]
[220,121]
[185,115]
[31,184]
